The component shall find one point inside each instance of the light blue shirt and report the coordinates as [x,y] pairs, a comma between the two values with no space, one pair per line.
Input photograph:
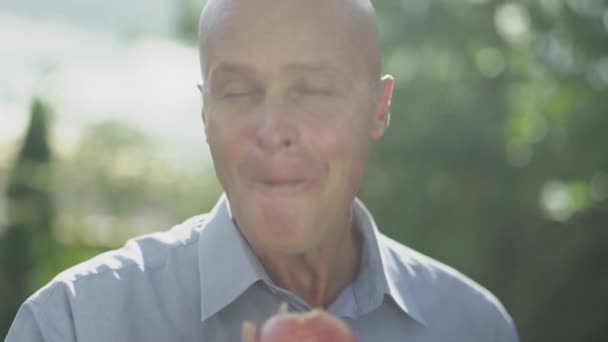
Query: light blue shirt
[200,280]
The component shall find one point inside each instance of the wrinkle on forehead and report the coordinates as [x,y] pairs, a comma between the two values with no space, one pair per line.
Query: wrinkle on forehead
[355,17]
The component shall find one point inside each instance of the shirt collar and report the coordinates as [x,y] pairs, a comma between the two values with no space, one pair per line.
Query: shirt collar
[381,272]
[228,266]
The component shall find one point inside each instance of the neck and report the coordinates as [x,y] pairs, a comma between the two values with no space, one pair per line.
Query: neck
[318,276]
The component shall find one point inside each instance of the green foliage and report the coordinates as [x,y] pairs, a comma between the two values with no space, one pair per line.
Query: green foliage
[187,25]
[496,136]
[31,214]
[121,182]
[30,203]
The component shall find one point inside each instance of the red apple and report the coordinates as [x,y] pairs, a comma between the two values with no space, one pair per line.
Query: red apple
[313,326]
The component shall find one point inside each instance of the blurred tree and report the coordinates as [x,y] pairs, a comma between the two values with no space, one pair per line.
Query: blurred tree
[188,17]
[121,181]
[497,133]
[31,215]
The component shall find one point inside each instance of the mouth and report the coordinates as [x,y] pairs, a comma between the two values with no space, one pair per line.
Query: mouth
[288,186]
[282,182]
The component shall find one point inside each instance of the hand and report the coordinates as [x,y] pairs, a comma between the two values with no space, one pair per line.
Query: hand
[249,332]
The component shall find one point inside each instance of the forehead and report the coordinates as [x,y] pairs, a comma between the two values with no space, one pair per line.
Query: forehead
[275,36]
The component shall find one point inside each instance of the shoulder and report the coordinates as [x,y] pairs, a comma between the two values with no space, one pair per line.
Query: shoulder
[443,293]
[101,298]
[432,274]
[115,270]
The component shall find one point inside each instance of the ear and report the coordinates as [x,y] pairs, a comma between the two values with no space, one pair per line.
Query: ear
[382,116]
[200,89]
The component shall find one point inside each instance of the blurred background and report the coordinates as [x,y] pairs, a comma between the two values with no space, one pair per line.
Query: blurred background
[496,161]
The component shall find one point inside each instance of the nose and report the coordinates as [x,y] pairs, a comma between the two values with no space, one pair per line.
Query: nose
[275,131]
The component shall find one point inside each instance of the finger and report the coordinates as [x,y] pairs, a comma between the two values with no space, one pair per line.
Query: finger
[249,332]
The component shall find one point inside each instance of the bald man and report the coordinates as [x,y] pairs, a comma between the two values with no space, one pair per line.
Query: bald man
[293,96]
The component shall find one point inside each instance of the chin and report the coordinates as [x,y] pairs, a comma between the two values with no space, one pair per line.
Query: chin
[281,213]
[287,246]
[279,224]
[285,235]
[284,230]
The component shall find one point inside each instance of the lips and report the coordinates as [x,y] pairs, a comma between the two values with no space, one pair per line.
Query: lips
[280,175]
[282,184]
[278,182]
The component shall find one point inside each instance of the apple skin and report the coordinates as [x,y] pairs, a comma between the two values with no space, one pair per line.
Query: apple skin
[313,326]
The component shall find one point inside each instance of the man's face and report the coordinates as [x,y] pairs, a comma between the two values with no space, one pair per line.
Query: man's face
[289,112]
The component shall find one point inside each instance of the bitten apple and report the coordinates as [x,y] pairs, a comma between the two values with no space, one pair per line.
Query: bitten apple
[313,326]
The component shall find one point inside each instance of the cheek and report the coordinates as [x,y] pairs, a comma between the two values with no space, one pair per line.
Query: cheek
[343,146]
[342,132]
[227,130]
[227,143]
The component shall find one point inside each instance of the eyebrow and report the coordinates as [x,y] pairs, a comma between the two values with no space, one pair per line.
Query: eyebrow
[231,68]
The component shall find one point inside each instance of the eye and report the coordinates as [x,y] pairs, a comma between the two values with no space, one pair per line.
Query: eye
[309,90]
[236,93]
[238,89]
[229,95]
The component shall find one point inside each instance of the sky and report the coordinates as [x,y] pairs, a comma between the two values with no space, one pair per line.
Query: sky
[95,62]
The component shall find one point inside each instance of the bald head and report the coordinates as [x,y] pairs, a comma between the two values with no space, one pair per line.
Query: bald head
[346,26]
[292,98]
